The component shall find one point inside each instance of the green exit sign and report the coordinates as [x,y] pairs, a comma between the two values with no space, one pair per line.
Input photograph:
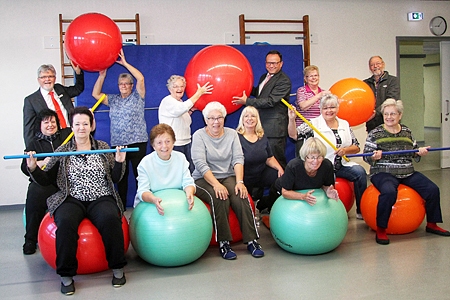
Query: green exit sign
[415,16]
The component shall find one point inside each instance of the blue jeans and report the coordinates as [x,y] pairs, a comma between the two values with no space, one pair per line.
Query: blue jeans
[358,176]
[387,185]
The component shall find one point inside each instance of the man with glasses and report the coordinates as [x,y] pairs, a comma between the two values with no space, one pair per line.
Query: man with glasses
[384,86]
[272,87]
[50,95]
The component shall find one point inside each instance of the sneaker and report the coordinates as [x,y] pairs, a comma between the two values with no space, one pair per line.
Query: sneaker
[359,217]
[68,290]
[255,249]
[29,248]
[227,252]
[119,282]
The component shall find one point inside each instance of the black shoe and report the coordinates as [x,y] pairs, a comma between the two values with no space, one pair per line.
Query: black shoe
[119,282]
[68,290]
[438,232]
[29,248]
[381,241]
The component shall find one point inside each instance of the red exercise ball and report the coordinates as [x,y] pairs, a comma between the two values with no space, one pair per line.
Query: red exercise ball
[357,100]
[345,191]
[226,68]
[234,224]
[407,213]
[90,253]
[93,41]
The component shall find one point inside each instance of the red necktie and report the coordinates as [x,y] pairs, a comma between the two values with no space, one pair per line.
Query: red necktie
[62,120]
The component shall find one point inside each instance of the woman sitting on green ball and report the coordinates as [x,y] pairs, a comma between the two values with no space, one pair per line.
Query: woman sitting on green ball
[163,169]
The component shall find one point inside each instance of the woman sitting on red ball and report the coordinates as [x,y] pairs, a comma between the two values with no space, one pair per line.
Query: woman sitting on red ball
[85,190]
[388,171]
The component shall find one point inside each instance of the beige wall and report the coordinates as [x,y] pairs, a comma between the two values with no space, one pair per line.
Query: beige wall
[347,33]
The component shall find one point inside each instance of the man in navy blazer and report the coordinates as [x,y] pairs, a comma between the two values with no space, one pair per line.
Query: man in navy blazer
[41,99]
[272,87]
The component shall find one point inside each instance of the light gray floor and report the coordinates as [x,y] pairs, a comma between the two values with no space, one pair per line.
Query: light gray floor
[413,266]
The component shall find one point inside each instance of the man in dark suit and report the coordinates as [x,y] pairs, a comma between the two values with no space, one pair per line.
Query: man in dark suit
[42,99]
[272,87]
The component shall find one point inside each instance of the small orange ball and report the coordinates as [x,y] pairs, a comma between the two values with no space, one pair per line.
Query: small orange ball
[357,100]
[407,213]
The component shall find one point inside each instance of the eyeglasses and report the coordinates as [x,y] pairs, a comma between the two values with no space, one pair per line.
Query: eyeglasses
[312,76]
[377,64]
[178,86]
[270,63]
[392,114]
[211,119]
[318,158]
[125,83]
[329,108]
[47,77]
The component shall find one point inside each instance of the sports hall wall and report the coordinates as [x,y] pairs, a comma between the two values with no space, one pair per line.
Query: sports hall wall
[346,33]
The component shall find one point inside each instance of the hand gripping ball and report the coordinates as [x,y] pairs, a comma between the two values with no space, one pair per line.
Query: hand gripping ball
[90,252]
[226,68]
[407,213]
[300,228]
[93,41]
[178,238]
[357,100]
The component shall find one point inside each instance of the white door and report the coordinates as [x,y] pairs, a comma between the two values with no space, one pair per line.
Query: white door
[445,98]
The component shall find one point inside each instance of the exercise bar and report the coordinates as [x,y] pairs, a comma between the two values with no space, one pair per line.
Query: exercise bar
[70,153]
[397,152]
[313,128]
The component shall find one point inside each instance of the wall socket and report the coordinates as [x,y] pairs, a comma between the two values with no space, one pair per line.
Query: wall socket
[231,38]
[51,42]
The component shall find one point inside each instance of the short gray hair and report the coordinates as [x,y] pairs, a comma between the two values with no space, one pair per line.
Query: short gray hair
[127,76]
[214,105]
[172,80]
[392,102]
[327,99]
[46,68]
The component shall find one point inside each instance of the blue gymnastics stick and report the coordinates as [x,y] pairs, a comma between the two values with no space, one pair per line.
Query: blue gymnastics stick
[20,156]
[396,152]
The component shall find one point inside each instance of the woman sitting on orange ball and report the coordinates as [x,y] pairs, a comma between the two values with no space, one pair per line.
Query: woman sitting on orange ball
[388,171]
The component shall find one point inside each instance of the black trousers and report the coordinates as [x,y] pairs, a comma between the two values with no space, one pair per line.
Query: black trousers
[105,216]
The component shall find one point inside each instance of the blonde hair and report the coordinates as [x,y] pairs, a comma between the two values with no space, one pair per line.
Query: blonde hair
[312,145]
[258,129]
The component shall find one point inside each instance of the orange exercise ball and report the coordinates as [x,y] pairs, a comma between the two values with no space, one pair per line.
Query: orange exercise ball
[407,213]
[357,100]
[345,192]
[93,41]
[226,68]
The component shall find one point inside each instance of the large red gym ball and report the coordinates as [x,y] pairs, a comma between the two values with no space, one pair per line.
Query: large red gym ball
[236,232]
[93,41]
[357,100]
[226,68]
[90,252]
[407,213]
[345,191]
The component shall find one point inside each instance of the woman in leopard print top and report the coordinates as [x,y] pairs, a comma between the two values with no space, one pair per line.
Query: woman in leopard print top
[85,190]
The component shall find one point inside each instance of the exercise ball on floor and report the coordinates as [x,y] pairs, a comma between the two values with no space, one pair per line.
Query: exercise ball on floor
[407,213]
[90,252]
[345,191]
[226,68]
[233,221]
[93,41]
[300,228]
[178,238]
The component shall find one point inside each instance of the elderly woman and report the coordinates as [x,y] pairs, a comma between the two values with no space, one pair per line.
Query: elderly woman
[261,168]
[48,137]
[175,112]
[126,110]
[339,133]
[85,190]
[163,169]
[308,172]
[219,176]
[388,171]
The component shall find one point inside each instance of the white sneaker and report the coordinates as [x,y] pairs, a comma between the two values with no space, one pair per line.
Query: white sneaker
[359,217]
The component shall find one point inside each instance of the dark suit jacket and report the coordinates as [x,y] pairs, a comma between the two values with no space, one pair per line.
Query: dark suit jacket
[272,111]
[34,103]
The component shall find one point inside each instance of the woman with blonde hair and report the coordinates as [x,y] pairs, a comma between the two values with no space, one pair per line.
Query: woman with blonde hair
[261,168]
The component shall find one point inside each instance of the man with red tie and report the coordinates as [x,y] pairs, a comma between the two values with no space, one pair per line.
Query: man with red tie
[50,95]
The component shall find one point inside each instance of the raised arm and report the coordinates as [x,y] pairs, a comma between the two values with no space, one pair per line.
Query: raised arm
[140,84]
[97,90]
